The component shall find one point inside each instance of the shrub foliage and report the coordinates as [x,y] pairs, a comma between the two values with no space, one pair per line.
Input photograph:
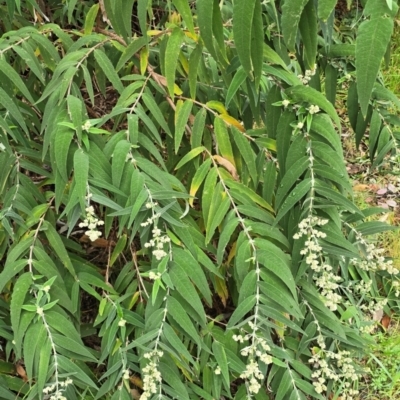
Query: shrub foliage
[177,219]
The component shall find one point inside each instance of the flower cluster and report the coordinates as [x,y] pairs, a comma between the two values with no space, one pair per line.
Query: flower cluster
[306,78]
[58,388]
[339,366]
[373,260]
[157,242]
[396,286]
[324,278]
[151,374]
[91,222]
[154,275]
[258,348]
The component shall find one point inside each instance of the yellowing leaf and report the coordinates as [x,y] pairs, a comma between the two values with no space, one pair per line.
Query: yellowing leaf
[144,57]
[154,32]
[217,106]
[222,290]
[232,121]
[184,62]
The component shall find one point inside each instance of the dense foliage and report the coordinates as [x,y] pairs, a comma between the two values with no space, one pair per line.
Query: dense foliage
[177,219]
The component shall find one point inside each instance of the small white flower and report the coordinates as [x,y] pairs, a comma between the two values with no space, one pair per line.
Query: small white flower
[2,147]
[285,103]
[39,311]
[217,371]
[313,109]
[121,322]
[86,126]
[300,125]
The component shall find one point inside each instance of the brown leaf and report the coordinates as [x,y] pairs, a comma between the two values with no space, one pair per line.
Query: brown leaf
[385,321]
[228,166]
[21,372]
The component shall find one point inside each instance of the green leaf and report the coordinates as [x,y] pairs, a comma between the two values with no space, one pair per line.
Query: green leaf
[242,309]
[290,178]
[216,215]
[90,18]
[131,50]
[58,246]
[69,366]
[155,111]
[81,174]
[189,156]
[193,270]
[183,7]
[178,313]
[20,290]
[13,109]
[208,190]
[10,73]
[297,193]
[284,385]
[170,374]
[325,8]
[205,21]
[308,27]
[226,233]
[247,192]
[220,357]
[223,140]
[248,286]
[337,198]
[119,161]
[176,342]
[247,153]
[236,82]
[372,40]
[62,142]
[72,345]
[291,13]
[243,12]
[185,288]
[109,70]
[171,58]
[10,270]
[194,62]
[182,114]
[275,260]
[313,97]
[322,125]
[44,363]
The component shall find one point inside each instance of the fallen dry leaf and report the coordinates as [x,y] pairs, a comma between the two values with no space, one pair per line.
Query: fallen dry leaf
[361,188]
[385,321]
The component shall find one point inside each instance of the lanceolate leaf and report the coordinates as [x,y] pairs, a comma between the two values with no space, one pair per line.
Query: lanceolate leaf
[182,113]
[108,69]
[171,58]
[371,44]
[184,9]
[325,8]
[81,174]
[296,194]
[309,32]
[243,11]
[291,13]
[204,16]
